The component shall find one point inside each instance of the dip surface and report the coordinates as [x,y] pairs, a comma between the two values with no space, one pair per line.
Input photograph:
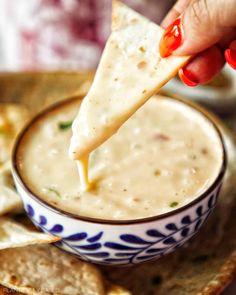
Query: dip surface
[162,158]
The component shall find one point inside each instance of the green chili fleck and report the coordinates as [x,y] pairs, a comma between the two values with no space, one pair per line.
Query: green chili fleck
[174,204]
[193,157]
[156,280]
[52,190]
[64,125]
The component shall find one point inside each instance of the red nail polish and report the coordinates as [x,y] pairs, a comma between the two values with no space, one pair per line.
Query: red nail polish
[171,39]
[188,78]
[230,55]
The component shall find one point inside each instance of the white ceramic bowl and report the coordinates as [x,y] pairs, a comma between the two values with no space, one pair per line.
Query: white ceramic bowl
[112,242]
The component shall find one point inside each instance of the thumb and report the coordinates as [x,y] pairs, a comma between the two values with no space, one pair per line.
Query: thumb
[203,23]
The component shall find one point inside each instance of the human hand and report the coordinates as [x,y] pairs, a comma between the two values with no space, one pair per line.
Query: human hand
[205,29]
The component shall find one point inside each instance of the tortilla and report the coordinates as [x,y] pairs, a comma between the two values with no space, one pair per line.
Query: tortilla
[130,72]
[110,290]
[9,200]
[44,269]
[12,118]
[5,175]
[13,234]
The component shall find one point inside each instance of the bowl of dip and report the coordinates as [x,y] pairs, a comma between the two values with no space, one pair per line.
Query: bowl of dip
[156,181]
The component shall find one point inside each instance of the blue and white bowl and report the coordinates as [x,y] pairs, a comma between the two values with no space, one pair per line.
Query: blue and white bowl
[110,242]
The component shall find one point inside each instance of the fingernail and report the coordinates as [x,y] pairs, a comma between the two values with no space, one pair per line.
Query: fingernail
[230,55]
[188,78]
[171,39]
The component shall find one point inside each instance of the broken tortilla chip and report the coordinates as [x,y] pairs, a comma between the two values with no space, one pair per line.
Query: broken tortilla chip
[12,119]
[44,269]
[9,200]
[13,234]
[5,175]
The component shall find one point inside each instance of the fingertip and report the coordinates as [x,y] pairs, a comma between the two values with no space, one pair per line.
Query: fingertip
[171,39]
[203,67]
[187,77]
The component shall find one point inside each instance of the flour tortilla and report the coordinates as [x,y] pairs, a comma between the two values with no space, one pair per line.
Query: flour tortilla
[130,72]
[44,269]
[13,234]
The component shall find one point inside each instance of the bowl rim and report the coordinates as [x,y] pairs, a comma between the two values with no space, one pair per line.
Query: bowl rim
[20,181]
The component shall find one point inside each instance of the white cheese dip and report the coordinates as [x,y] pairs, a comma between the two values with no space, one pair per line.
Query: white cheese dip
[162,158]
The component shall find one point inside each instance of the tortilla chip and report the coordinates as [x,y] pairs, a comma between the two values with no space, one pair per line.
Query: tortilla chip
[9,200]
[5,175]
[130,72]
[12,118]
[13,234]
[110,290]
[44,269]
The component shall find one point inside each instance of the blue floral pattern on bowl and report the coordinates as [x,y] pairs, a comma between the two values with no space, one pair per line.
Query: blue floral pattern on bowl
[120,244]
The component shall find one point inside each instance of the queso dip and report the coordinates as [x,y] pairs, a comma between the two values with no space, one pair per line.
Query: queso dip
[162,158]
